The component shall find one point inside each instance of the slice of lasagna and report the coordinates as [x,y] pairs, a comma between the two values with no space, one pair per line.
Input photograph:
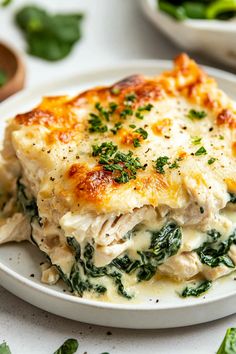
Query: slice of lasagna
[129,181]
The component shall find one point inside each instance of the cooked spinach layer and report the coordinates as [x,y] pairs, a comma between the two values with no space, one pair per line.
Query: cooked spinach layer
[213,253]
[164,244]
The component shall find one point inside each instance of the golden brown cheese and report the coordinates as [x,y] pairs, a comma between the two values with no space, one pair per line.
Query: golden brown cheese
[55,138]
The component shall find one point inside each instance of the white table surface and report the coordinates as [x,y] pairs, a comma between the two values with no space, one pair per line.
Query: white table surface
[114,30]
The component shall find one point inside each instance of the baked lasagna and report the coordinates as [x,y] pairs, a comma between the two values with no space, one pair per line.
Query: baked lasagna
[126,183]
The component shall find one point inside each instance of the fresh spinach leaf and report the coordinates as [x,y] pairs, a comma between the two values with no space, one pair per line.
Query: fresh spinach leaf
[228,346]
[48,36]
[197,291]
[70,346]
[4,349]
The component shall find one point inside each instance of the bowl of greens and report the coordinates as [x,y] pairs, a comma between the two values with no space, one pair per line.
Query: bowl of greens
[12,72]
[204,26]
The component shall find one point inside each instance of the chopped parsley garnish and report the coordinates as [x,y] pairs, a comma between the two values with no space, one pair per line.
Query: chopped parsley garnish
[201,151]
[126,112]
[193,114]
[175,163]
[142,132]
[136,142]
[196,140]
[105,113]
[105,150]
[211,160]
[163,161]
[133,126]
[117,127]
[160,163]
[122,165]
[147,108]
[115,91]
[130,98]
[96,120]
[139,115]
[221,137]
[96,125]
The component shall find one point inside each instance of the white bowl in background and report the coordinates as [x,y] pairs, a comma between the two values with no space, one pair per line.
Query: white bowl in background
[213,38]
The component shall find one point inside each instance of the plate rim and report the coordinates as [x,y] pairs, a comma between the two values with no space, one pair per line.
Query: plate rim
[112,68]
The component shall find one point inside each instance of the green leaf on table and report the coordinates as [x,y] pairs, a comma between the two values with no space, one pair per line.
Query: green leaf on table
[70,346]
[228,346]
[50,37]
[4,349]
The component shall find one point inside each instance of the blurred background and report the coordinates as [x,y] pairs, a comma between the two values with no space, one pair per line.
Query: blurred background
[111,31]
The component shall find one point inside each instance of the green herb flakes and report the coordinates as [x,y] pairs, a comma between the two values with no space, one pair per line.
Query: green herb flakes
[115,91]
[160,163]
[96,125]
[142,132]
[193,114]
[141,109]
[211,160]
[70,346]
[117,126]
[126,112]
[123,166]
[196,140]
[197,291]
[201,151]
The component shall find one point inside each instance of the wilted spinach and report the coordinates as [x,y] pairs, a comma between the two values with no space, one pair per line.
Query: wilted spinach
[214,253]
[164,243]
[49,36]
[197,291]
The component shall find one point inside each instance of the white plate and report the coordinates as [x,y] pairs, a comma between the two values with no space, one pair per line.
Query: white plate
[19,261]
[213,38]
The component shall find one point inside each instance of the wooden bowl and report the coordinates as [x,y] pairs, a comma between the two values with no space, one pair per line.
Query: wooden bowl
[12,64]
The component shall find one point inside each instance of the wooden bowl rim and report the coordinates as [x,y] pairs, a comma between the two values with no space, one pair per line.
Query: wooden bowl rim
[20,67]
